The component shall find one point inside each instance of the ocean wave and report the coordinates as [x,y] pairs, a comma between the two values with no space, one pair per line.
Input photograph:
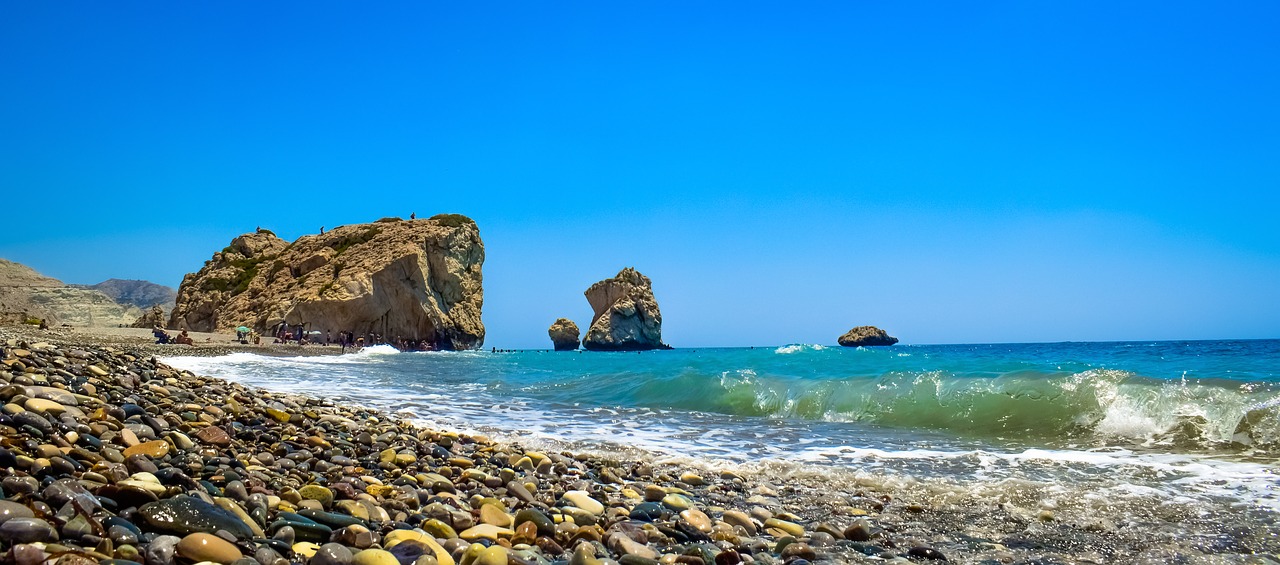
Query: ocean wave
[1078,407]
[798,348]
[1098,404]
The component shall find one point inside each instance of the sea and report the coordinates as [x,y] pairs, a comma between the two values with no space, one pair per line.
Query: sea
[1160,436]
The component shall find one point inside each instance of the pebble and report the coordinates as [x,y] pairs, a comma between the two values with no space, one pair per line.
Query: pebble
[9,509]
[207,547]
[374,557]
[27,530]
[332,554]
[153,449]
[582,499]
[187,515]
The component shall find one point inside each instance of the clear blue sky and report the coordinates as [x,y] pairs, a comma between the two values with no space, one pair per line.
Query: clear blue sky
[952,172]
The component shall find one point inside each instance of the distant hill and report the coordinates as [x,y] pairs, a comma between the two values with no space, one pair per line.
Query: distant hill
[142,294]
[27,295]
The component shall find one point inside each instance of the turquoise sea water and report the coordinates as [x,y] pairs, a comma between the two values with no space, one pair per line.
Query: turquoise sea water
[1100,429]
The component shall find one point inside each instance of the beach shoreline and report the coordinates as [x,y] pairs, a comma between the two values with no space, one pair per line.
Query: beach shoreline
[407,475]
[425,478]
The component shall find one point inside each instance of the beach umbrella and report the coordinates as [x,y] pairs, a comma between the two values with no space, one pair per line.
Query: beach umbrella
[242,329]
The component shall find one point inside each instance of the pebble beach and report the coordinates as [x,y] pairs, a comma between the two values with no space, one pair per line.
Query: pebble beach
[110,456]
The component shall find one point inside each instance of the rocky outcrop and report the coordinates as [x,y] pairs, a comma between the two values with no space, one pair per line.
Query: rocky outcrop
[154,318]
[27,296]
[866,336]
[564,334]
[418,280]
[626,314]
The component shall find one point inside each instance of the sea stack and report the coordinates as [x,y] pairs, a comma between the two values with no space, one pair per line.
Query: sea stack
[416,280]
[564,334]
[866,336]
[626,314]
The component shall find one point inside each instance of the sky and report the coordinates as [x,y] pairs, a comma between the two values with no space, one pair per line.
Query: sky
[783,171]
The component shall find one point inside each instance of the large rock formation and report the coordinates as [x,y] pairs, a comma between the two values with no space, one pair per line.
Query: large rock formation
[626,314]
[26,295]
[564,334]
[417,280]
[866,336]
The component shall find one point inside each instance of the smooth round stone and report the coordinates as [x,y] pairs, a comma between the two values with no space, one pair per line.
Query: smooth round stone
[627,546]
[374,557]
[207,547]
[187,515]
[306,549]
[740,519]
[859,530]
[545,526]
[332,554]
[9,510]
[486,531]
[697,519]
[654,493]
[692,479]
[494,555]
[44,406]
[677,502]
[153,449]
[582,499]
[443,556]
[648,511]
[821,539]
[789,527]
[798,550]
[410,551]
[491,514]
[518,490]
[585,554]
[317,493]
[439,529]
[27,530]
[121,535]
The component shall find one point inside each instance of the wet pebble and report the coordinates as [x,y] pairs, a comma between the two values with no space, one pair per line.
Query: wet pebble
[27,530]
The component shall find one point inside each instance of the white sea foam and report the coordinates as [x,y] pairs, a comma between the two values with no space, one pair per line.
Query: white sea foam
[798,348]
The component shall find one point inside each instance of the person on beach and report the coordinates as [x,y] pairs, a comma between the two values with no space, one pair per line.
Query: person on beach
[160,335]
[184,339]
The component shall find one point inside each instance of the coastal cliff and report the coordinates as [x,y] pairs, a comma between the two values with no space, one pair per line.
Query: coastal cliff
[417,280]
[626,314]
[26,295]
